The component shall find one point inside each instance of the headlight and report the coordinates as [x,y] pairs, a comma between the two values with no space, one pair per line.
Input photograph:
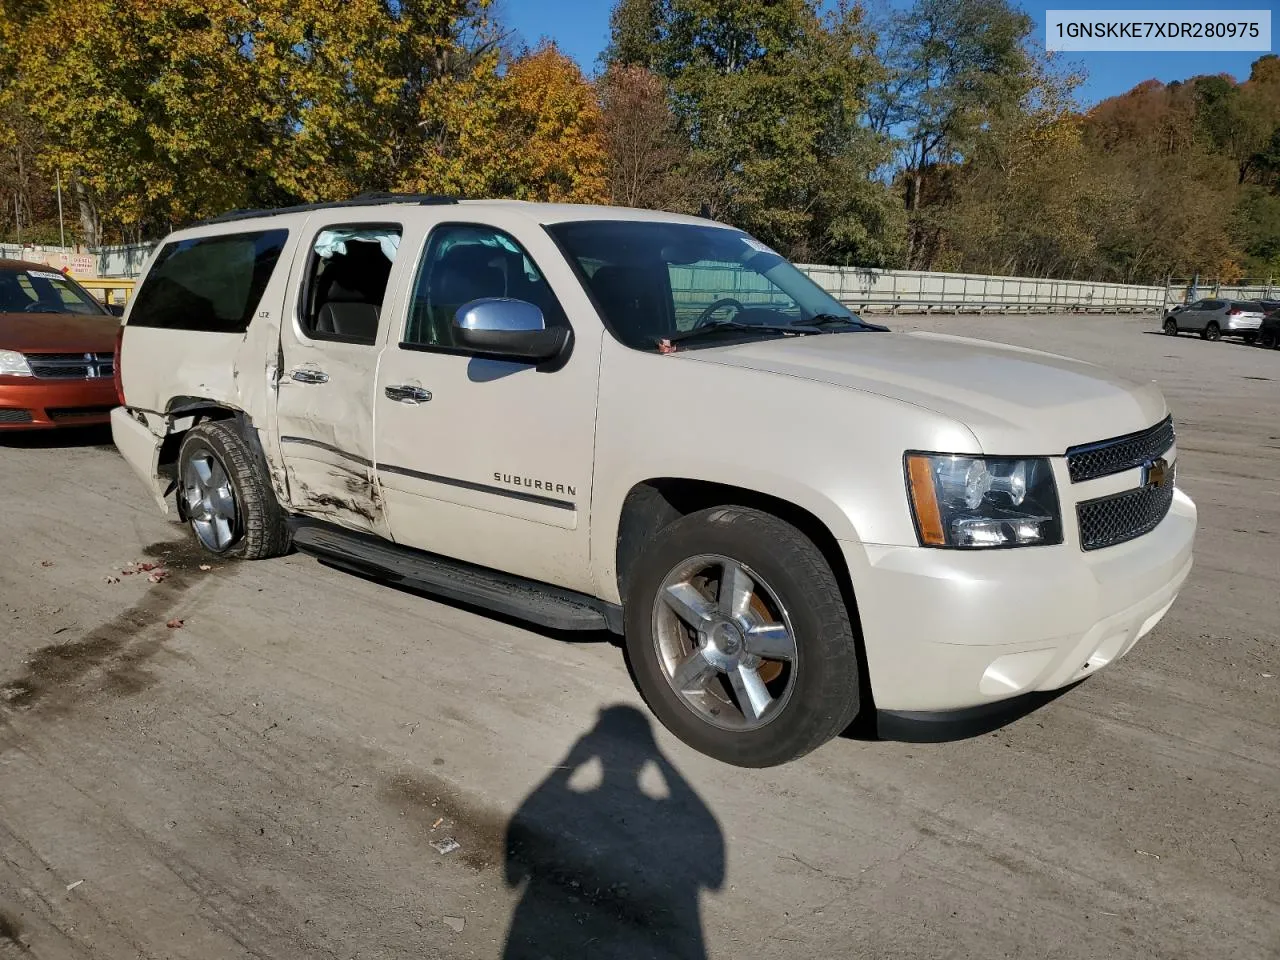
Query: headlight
[979,502]
[13,364]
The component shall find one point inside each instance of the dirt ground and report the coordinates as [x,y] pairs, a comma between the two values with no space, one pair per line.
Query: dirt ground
[278,777]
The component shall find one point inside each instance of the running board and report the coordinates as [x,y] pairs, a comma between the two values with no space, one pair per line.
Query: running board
[539,603]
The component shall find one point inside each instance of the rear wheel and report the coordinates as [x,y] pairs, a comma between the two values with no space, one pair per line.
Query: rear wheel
[1269,340]
[1171,327]
[226,497]
[739,639]
[1212,331]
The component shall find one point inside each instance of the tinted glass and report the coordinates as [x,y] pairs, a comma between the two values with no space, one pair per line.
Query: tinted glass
[32,290]
[210,284]
[465,262]
[653,280]
[347,281]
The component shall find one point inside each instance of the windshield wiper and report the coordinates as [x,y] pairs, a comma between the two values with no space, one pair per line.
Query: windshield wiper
[835,319]
[722,326]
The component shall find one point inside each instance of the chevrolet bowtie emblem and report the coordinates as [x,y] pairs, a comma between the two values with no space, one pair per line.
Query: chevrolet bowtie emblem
[1155,473]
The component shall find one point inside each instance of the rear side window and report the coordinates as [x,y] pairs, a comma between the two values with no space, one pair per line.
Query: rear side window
[209,284]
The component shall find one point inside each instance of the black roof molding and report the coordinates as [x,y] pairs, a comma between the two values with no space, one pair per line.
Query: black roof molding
[360,200]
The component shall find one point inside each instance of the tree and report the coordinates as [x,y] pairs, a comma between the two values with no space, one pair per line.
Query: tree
[531,131]
[160,111]
[648,157]
[770,95]
[953,65]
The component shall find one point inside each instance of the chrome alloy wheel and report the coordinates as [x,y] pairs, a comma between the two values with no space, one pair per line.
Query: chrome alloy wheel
[209,500]
[725,642]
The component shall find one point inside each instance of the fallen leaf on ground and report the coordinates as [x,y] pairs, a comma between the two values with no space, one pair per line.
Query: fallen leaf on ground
[175,623]
[158,576]
[205,566]
[46,563]
[110,579]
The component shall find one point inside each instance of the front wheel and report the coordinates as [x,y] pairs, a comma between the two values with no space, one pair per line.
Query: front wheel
[1171,327]
[739,637]
[225,495]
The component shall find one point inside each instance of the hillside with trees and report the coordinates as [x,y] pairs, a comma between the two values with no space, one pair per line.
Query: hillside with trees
[940,137]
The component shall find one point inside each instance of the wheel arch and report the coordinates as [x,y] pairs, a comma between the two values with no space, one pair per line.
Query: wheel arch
[651,505]
[184,413]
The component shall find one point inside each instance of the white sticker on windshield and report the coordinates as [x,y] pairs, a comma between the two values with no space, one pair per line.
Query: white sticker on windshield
[757,246]
[45,275]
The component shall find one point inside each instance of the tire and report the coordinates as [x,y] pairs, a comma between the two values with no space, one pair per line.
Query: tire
[1269,341]
[1212,332]
[807,699]
[1171,327]
[256,529]
[1250,339]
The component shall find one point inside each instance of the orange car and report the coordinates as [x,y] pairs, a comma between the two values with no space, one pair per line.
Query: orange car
[57,350]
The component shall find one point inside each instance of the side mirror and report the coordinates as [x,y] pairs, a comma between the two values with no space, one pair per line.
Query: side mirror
[115,309]
[509,329]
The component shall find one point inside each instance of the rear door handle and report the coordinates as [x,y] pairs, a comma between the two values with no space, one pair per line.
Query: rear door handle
[403,393]
[307,375]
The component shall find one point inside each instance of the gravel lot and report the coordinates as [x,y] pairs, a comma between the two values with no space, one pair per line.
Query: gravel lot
[269,779]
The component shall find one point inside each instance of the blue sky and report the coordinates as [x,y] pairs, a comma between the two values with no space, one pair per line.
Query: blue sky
[581,28]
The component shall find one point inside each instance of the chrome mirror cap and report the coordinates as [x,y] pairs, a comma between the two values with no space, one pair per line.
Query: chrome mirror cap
[499,314]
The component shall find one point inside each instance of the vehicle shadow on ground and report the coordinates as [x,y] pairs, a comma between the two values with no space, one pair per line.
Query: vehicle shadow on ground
[97,436]
[611,852]
[909,727]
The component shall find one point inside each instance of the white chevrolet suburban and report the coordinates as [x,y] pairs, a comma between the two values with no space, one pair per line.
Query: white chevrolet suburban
[594,417]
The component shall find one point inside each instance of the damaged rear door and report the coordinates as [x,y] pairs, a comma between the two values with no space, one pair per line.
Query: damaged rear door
[343,278]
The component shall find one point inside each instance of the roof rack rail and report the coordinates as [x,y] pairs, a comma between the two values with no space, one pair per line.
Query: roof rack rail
[360,200]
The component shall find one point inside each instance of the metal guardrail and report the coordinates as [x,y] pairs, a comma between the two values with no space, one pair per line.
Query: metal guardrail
[912,291]
[868,290]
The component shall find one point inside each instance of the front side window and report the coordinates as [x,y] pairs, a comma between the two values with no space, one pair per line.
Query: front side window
[465,262]
[347,281]
[208,284]
[32,290]
[653,281]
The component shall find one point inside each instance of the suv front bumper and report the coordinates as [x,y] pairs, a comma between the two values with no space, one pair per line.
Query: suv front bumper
[948,629]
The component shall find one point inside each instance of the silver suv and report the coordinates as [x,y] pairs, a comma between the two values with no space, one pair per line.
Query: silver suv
[1215,319]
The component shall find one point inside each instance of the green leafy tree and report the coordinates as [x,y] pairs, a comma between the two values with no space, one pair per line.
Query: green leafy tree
[770,95]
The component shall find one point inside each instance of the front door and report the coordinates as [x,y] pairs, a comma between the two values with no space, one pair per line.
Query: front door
[329,341]
[485,460]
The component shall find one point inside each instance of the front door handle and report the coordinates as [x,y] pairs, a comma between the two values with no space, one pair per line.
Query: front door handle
[403,393]
[307,375]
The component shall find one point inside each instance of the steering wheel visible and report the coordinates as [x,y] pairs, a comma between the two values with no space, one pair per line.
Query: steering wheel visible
[705,316]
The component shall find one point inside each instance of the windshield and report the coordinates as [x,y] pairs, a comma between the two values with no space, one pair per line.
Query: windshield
[32,290]
[656,281]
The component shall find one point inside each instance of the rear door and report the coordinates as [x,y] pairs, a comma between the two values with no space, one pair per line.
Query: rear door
[330,335]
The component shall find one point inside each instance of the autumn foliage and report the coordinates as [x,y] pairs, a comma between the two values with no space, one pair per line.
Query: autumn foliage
[933,135]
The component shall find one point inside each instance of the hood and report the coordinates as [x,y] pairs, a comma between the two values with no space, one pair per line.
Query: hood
[1015,401]
[58,332]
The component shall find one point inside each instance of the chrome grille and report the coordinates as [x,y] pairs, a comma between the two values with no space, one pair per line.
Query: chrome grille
[71,366]
[1107,521]
[1092,460]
